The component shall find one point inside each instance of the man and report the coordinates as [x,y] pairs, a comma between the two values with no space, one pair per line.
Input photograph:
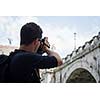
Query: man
[26,61]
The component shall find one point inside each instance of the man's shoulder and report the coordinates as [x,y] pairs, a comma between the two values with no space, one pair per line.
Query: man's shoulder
[25,54]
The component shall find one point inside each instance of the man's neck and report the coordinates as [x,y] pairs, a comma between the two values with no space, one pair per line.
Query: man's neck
[26,48]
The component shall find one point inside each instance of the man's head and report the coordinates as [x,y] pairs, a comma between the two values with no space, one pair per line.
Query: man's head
[30,32]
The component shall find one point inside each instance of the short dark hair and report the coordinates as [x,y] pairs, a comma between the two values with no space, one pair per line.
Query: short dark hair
[29,32]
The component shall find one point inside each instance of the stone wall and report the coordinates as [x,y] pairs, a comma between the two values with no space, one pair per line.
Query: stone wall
[5,49]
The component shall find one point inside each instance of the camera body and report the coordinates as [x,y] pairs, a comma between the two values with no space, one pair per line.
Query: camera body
[40,49]
[43,42]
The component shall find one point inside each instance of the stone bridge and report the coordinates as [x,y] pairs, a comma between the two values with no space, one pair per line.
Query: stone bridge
[81,66]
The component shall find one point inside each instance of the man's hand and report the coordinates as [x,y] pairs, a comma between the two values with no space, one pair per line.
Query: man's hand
[46,44]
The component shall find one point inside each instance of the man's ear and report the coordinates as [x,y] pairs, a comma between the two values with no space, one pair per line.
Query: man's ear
[35,41]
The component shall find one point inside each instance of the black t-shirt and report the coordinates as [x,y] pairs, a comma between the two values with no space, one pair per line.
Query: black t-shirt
[24,66]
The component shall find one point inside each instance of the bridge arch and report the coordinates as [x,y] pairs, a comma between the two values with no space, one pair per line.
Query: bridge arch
[80,66]
[81,75]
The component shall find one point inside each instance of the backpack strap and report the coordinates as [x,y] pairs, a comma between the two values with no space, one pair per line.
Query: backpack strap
[5,75]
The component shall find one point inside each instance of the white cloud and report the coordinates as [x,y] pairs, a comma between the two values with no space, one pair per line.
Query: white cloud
[10,27]
[61,37]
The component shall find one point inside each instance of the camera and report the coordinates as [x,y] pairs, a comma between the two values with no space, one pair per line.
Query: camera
[40,49]
[43,42]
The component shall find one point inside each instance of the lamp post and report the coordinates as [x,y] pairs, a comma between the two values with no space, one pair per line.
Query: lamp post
[74,41]
[10,41]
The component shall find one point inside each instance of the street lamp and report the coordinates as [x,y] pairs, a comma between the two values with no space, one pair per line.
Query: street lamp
[10,41]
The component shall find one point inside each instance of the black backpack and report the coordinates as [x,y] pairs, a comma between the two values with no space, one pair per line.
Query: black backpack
[4,67]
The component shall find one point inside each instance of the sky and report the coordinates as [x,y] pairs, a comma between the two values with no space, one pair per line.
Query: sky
[59,30]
